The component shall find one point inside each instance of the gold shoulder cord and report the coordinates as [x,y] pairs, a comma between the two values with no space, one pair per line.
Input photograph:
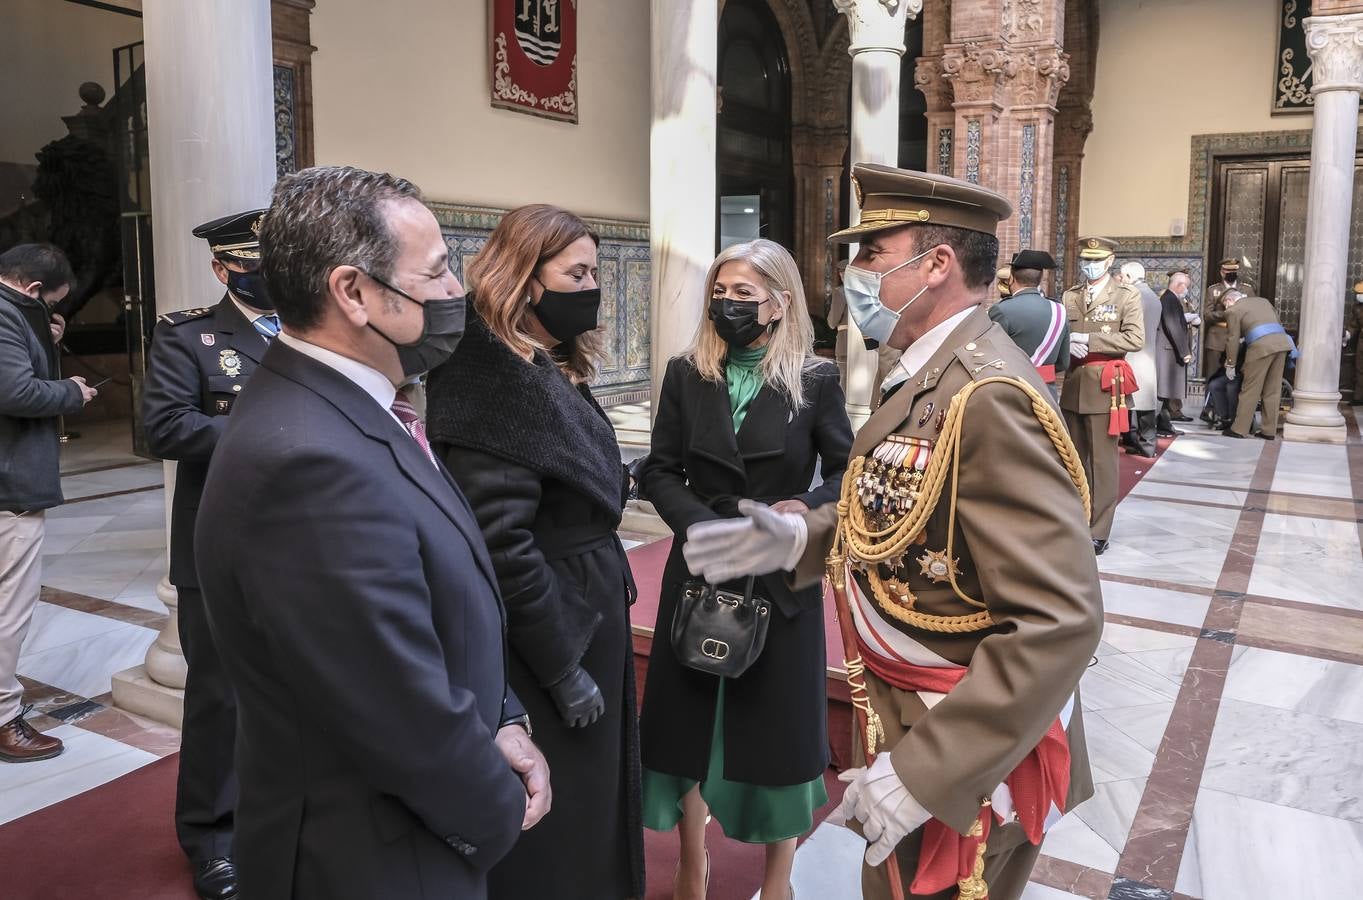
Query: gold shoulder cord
[856,538]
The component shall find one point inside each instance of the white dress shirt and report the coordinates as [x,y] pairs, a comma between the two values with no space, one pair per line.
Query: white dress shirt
[250,315]
[921,350]
[368,379]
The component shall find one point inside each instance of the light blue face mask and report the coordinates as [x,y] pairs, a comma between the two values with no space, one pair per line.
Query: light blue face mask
[862,289]
[1094,269]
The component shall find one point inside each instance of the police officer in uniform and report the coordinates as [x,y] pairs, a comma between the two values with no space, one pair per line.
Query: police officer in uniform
[200,361]
[1035,322]
[1106,323]
[962,544]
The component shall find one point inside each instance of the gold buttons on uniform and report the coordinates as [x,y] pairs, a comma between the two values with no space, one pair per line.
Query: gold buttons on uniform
[970,346]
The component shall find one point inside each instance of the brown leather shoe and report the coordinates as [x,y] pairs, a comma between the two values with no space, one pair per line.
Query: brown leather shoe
[21,742]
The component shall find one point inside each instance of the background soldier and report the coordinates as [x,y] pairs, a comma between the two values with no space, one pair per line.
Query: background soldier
[1035,322]
[200,361]
[1267,346]
[1106,323]
[1214,315]
[1353,327]
[985,597]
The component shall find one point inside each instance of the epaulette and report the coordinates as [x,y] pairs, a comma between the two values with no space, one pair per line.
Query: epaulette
[982,360]
[179,317]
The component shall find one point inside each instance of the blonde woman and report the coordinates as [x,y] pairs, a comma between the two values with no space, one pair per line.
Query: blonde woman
[512,418]
[748,413]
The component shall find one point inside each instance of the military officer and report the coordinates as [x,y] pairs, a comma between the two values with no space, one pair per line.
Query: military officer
[1267,348]
[1035,322]
[963,547]
[200,361]
[1003,282]
[1353,328]
[1214,315]
[1106,323]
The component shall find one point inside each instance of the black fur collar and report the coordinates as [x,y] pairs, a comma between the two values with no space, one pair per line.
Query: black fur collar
[488,399]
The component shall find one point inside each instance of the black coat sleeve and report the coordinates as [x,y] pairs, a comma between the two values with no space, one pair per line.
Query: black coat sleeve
[22,393]
[177,427]
[357,646]
[663,477]
[505,498]
[832,438]
[1173,325]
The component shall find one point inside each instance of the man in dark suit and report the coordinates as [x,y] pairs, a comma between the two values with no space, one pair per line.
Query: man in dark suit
[200,360]
[380,753]
[1173,351]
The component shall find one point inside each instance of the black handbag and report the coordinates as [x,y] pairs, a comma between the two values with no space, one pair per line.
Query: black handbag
[717,631]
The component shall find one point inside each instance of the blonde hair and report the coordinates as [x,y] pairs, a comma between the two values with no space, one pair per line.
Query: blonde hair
[499,280]
[790,352]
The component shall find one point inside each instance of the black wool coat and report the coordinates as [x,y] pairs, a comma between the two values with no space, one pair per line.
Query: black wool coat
[538,460]
[775,725]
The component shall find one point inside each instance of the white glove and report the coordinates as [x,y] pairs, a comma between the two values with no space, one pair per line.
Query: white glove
[887,811]
[1230,372]
[1079,345]
[763,542]
[1192,318]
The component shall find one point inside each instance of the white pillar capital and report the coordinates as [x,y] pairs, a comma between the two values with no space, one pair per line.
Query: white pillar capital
[877,24]
[1335,44]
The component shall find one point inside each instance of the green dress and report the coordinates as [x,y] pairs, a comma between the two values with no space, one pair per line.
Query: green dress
[754,814]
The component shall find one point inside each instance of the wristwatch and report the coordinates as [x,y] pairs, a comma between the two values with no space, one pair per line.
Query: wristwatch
[522,720]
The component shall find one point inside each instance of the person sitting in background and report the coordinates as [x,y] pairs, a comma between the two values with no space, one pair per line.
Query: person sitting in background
[33,279]
[1223,391]
[746,414]
[512,416]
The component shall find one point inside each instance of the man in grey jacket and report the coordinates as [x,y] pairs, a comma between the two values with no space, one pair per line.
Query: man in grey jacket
[33,278]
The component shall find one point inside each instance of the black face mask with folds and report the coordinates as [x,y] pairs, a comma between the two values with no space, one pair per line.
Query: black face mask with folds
[442,328]
[249,288]
[1231,277]
[736,322]
[567,314]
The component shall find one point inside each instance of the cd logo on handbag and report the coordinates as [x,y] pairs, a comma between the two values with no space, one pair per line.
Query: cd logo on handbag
[714,648]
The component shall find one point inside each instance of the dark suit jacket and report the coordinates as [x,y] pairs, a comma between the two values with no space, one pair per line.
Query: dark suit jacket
[200,361]
[1173,325]
[357,615]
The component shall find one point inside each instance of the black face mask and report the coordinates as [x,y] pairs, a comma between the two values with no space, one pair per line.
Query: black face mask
[736,321]
[1232,277]
[249,288]
[442,328]
[566,314]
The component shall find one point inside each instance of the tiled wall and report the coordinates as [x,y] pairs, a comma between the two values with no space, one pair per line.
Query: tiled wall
[625,275]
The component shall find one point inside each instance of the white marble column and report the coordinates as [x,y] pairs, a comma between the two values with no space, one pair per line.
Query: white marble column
[876,32]
[210,124]
[685,48]
[1336,47]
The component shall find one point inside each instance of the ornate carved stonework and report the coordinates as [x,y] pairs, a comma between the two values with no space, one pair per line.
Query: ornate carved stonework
[1336,47]
[1022,20]
[1040,73]
[877,24]
[976,73]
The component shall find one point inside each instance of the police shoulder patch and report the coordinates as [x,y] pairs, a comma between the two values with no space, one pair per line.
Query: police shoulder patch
[179,317]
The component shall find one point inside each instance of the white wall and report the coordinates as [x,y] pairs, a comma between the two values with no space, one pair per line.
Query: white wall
[1167,70]
[50,48]
[404,88]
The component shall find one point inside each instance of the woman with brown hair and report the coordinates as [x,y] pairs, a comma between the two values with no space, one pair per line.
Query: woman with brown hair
[749,412]
[512,417]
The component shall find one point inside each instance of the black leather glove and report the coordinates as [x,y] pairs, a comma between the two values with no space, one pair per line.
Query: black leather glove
[578,699]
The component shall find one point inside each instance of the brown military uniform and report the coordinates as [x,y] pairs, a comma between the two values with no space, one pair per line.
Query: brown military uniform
[1262,373]
[1115,323]
[1014,497]
[1214,323]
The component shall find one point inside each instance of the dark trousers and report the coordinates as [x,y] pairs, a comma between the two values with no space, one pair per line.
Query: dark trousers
[206,793]
[1140,437]
[1164,418]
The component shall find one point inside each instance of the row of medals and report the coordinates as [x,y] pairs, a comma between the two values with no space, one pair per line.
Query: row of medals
[888,492]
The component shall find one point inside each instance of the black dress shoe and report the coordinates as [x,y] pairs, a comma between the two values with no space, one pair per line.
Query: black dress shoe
[1180,418]
[216,879]
[1099,546]
[1267,437]
[1174,433]
[1207,415]
[1227,432]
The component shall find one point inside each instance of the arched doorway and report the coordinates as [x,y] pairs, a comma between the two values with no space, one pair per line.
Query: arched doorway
[755,179]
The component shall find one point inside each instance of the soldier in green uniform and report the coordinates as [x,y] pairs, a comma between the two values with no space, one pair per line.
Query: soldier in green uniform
[1106,323]
[1254,321]
[1214,316]
[1035,322]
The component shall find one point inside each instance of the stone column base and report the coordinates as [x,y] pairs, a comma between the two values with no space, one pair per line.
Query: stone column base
[1315,434]
[136,692]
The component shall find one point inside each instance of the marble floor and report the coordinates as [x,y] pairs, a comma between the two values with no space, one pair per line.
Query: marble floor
[1223,710]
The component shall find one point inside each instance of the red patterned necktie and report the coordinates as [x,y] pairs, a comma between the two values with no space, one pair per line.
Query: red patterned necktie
[406,414]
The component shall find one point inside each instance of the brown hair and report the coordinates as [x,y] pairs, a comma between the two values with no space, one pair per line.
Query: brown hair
[499,280]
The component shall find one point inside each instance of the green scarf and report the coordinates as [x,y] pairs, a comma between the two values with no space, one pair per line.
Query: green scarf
[743,371]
